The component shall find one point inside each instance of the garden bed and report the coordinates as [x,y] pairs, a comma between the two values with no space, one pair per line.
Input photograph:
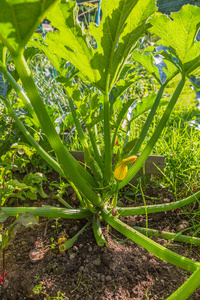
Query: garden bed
[36,270]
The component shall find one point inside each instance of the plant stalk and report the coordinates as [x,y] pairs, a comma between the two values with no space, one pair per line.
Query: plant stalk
[32,141]
[77,122]
[169,235]
[70,242]
[120,118]
[49,212]
[95,149]
[70,166]
[142,158]
[148,122]
[187,288]
[141,210]
[151,246]
[98,234]
[21,94]
[107,140]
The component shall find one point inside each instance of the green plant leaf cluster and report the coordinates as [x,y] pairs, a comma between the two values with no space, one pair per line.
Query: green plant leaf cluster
[96,67]
[13,17]
[28,188]
[182,41]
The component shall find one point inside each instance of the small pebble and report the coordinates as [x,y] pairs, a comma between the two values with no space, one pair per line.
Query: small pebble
[158,216]
[72,256]
[106,259]
[81,269]
[75,248]
[108,278]
[103,277]
[144,258]
[167,200]
[131,222]
[97,262]
[182,225]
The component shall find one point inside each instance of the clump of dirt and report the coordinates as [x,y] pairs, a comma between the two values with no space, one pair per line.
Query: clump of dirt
[36,270]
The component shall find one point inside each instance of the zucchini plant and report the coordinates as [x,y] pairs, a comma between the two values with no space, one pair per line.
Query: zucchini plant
[101,56]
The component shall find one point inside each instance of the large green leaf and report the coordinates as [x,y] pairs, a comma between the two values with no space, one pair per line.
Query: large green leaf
[178,32]
[123,23]
[144,105]
[19,19]
[115,17]
[55,60]
[134,28]
[147,60]
[124,83]
[69,42]
[100,56]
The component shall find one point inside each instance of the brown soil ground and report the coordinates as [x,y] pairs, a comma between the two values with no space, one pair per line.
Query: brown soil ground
[123,270]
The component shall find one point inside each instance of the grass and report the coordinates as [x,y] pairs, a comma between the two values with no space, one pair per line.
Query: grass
[179,143]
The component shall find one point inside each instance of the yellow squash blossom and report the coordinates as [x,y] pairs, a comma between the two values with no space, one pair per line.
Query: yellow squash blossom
[121,170]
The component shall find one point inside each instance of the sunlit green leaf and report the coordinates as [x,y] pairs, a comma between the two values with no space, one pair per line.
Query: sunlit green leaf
[31,196]
[19,19]
[144,105]
[129,146]
[122,24]
[69,42]
[148,61]
[178,31]
[100,59]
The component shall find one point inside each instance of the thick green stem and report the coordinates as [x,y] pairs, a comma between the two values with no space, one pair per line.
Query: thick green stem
[77,193]
[39,149]
[107,132]
[141,210]
[169,235]
[116,195]
[100,239]
[120,118]
[67,205]
[72,169]
[2,56]
[49,212]
[107,140]
[77,122]
[90,161]
[148,122]
[151,246]
[70,242]
[145,153]
[80,133]
[187,288]
[95,149]
[21,94]
[31,140]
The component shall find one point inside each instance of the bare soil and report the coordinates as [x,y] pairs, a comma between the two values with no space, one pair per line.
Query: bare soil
[36,270]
